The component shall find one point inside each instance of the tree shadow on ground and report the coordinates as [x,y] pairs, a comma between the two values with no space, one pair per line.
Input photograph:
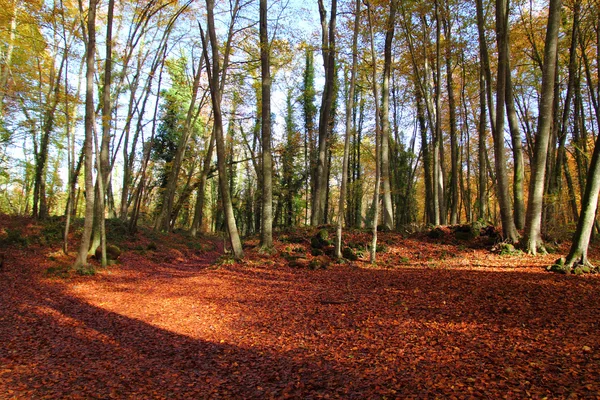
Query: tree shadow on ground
[405,333]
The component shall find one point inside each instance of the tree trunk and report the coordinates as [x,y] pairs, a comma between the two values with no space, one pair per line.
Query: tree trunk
[519,166]
[40,206]
[349,108]
[373,251]
[485,62]
[216,77]
[387,209]
[589,204]
[309,112]
[6,65]
[533,221]
[454,153]
[266,234]
[502,188]
[328,42]
[200,196]
[163,221]
[81,260]
[425,146]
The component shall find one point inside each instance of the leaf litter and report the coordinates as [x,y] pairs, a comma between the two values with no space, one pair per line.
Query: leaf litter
[433,319]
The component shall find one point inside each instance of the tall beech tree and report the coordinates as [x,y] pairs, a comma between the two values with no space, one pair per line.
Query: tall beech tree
[373,250]
[266,234]
[81,260]
[533,221]
[502,188]
[216,76]
[589,205]
[328,33]
[349,128]
[388,212]
[309,112]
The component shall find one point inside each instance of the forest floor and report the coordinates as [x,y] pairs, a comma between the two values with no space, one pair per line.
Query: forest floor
[437,317]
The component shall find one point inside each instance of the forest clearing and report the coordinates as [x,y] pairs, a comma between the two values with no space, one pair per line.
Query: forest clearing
[437,317]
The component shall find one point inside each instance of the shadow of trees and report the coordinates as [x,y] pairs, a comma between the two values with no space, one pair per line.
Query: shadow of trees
[409,333]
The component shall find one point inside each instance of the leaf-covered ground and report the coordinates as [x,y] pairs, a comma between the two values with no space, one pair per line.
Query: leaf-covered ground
[437,318]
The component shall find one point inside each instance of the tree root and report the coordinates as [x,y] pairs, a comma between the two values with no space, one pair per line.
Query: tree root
[576,266]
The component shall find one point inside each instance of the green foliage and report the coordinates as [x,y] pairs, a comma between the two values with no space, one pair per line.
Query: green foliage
[53,229]
[117,230]
[309,93]
[57,272]
[14,237]
[507,249]
[175,102]
[320,240]
[224,260]
[381,248]
[466,232]
[86,271]
[404,195]
[436,233]
[349,254]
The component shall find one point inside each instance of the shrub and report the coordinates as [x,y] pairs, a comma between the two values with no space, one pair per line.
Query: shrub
[349,254]
[15,237]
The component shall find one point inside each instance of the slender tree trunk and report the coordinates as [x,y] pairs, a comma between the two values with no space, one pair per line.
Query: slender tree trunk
[81,260]
[200,196]
[517,147]
[454,151]
[469,212]
[328,42]
[72,170]
[163,221]
[438,142]
[5,67]
[425,146]
[387,209]
[266,234]
[561,157]
[533,221]
[216,93]
[40,206]
[103,158]
[502,188]
[373,252]
[309,112]
[485,62]
[349,108]
[138,196]
[589,204]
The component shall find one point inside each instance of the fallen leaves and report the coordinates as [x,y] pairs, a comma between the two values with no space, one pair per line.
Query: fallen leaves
[441,321]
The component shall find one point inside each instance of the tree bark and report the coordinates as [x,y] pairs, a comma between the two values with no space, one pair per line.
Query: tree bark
[533,220]
[373,250]
[454,153]
[349,108]
[216,78]
[81,259]
[387,209]
[328,41]
[266,234]
[502,188]
[200,196]
[587,218]
[517,147]
[163,221]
